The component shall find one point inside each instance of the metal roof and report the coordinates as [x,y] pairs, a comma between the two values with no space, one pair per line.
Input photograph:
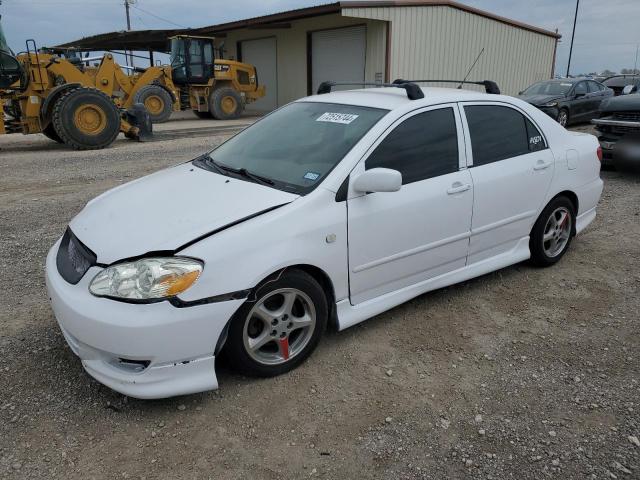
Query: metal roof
[157,39]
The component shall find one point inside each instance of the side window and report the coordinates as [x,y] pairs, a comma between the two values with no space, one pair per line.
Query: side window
[498,133]
[581,88]
[421,147]
[536,140]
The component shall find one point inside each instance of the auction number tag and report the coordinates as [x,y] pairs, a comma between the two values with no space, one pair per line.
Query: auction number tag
[343,118]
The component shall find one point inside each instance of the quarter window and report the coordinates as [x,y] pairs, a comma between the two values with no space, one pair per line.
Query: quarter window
[421,147]
[498,133]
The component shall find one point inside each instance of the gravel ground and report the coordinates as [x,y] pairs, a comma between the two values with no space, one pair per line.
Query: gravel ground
[519,374]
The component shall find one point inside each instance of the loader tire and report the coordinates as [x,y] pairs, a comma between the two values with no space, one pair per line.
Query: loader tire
[157,101]
[86,119]
[51,133]
[225,103]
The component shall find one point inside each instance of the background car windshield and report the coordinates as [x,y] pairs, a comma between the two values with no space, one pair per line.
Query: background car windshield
[549,88]
[298,145]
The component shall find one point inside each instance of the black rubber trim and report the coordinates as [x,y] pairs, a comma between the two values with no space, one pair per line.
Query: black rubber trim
[341,194]
[239,295]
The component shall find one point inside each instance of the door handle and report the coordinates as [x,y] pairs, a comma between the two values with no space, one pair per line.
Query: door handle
[541,165]
[458,187]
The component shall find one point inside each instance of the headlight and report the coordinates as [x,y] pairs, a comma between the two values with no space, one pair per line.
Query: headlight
[147,279]
[550,104]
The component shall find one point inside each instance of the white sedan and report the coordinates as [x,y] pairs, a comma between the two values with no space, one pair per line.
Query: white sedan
[328,211]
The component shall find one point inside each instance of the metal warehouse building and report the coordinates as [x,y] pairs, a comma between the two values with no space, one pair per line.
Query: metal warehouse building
[371,41]
[382,40]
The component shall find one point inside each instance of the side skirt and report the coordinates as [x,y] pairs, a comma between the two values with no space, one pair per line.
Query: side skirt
[349,315]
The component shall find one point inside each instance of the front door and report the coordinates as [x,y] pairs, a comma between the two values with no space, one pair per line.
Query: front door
[512,167]
[421,231]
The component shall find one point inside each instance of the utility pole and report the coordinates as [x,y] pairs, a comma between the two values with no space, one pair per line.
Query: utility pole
[635,65]
[575,19]
[126,7]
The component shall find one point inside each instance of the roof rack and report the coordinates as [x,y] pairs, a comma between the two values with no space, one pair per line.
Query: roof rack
[414,92]
[489,85]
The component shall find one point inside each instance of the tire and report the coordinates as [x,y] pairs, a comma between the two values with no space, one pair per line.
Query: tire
[203,115]
[225,103]
[86,119]
[157,101]
[51,133]
[563,117]
[552,233]
[309,302]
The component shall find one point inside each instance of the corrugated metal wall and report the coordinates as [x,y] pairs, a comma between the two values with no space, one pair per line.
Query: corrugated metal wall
[292,50]
[442,42]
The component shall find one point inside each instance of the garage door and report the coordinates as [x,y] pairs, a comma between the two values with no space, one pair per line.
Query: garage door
[262,54]
[338,54]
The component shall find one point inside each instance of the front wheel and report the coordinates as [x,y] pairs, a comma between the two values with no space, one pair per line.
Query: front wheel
[552,232]
[563,117]
[226,103]
[279,327]
[157,101]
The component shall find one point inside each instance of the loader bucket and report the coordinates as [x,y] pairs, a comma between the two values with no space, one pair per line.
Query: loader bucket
[138,117]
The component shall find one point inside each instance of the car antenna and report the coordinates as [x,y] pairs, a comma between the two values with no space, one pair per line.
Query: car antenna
[473,65]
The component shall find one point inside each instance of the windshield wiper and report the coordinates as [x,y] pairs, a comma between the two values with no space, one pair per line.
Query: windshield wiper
[243,172]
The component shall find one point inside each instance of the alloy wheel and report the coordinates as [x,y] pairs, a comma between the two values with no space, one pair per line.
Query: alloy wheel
[279,326]
[557,232]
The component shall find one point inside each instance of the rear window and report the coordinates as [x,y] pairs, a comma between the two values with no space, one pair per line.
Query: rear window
[499,132]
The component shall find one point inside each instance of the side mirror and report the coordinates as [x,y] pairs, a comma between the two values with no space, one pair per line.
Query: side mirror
[629,89]
[378,180]
[520,92]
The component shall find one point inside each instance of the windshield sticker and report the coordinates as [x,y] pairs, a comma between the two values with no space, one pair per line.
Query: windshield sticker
[343,118]
[312,175]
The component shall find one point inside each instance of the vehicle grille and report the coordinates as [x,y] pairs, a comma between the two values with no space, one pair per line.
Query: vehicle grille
[627,116]
[73,258]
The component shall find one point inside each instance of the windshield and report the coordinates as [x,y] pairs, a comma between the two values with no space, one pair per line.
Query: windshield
[297,146]
[549,88]
[177,58]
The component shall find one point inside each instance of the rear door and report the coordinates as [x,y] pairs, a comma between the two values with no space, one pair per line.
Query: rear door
[402,238]
[512,168]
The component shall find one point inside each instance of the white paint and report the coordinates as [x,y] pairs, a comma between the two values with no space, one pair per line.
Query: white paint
[427,235]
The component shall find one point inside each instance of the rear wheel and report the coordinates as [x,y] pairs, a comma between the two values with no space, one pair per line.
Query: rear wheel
[225,103]
[278,330]
[86,119]
[157,101]
[552,232]
[51,133]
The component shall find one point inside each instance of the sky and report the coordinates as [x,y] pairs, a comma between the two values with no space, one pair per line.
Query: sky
[607,33]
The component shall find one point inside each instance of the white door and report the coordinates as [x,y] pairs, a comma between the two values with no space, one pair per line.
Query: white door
[421,231]
[338,54]
[512,167]
[262,54]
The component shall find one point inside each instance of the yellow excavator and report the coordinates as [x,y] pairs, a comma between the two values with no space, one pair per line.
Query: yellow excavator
[49,94]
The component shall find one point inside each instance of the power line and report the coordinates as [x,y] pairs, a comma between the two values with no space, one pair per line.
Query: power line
[158,17]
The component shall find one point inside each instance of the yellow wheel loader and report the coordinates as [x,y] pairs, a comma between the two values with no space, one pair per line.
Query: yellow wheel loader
[44,93]
[208,84]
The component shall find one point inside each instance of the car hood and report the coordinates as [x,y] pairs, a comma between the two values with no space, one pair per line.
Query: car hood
[622,103]
[168,209]
[540,99]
